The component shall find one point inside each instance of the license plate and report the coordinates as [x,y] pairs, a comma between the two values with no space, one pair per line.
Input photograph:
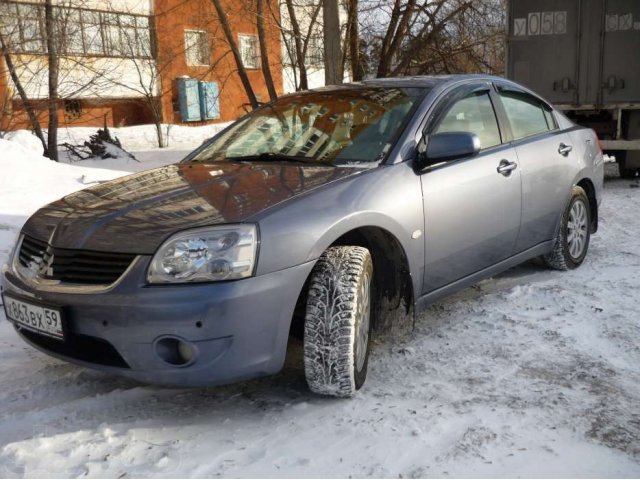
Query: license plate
[37,318]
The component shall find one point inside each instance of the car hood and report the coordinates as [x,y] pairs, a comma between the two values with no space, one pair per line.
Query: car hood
[135,214]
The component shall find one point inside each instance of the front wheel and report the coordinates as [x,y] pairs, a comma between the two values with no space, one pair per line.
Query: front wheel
[572,240]
[338,321]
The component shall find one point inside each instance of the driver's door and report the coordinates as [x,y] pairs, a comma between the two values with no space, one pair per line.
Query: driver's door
[472,210]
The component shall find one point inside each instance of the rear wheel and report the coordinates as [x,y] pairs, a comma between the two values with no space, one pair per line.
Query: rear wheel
[572,240]
[338,321]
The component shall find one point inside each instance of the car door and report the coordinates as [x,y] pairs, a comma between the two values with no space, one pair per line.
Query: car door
[472,205]
[547,163]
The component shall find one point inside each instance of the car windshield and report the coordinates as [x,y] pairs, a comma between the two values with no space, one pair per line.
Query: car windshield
[340,127]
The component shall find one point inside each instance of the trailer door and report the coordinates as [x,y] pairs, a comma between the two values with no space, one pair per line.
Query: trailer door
[543,46]
[621,54]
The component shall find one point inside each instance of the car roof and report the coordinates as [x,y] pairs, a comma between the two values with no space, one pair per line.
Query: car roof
[427,80]
[415,81]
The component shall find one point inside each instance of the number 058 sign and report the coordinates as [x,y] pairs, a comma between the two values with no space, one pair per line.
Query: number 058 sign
[541,23]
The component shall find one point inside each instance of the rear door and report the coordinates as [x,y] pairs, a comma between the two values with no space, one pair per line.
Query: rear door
[621,55]
[472,212]
[547,164]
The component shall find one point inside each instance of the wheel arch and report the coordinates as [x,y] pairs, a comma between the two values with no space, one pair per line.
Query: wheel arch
[587,185]
[393,286]
[393,290]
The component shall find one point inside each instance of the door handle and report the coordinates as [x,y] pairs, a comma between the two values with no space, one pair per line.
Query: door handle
[506,167]
[564,149]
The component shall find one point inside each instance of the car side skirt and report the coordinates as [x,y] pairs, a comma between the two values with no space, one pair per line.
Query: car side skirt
[425,300]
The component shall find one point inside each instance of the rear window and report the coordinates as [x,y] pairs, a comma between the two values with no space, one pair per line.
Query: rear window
[527,115]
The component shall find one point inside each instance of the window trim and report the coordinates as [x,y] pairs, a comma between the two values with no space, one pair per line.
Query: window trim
[502,87]
[186,47]
[457,94]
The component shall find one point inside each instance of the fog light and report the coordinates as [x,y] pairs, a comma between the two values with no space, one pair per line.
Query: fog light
[185,351]
[175,351]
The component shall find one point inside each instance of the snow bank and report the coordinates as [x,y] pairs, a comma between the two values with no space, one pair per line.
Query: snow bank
[25,139]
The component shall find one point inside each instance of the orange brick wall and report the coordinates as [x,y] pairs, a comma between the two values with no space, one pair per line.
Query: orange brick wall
[174,16]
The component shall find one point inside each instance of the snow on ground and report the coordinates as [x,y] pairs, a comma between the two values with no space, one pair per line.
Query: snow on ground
[143,137]
[532,373]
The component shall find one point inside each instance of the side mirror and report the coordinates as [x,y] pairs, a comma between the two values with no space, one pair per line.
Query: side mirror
[449,146]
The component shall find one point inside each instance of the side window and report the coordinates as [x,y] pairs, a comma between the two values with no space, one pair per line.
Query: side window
[473,114]
[527,115]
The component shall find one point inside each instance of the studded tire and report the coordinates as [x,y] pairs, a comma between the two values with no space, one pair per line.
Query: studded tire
[574,227]
[338,321]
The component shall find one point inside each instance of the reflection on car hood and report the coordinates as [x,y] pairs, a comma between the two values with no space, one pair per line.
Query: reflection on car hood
[134,214]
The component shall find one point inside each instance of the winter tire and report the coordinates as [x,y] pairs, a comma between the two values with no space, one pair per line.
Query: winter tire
[338,321]
[572,240]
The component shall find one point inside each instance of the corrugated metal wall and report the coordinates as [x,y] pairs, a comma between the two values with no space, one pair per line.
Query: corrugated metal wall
[576,52]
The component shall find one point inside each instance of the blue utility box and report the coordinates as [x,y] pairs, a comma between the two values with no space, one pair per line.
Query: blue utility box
[189,97]
[209,100]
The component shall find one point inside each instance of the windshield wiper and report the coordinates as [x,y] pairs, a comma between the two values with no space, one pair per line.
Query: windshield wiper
[277,157]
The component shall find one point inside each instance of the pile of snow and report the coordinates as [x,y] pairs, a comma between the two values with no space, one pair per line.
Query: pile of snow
[26,140]
[143,137]
[29,181]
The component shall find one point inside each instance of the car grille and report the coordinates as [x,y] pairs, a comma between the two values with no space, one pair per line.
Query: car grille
[81,267]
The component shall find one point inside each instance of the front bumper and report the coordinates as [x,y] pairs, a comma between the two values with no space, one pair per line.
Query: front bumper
[238,329]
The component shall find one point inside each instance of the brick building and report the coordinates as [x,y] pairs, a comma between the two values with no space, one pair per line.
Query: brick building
[118,56]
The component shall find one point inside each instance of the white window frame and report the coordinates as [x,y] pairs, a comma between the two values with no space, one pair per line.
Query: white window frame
[187,49]
[256,63]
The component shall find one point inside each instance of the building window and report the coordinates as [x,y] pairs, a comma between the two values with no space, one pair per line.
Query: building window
[22,27]
[197,47]
[80,32]
[315,51]
[249,51]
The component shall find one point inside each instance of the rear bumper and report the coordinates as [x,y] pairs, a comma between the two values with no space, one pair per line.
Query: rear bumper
[238,329]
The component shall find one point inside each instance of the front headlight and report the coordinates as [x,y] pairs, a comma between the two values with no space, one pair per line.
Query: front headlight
[209,254]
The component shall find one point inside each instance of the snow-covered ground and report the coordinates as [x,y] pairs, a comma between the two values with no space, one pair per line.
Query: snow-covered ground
[532,373]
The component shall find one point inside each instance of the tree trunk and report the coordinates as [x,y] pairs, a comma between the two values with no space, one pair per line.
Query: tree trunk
[159,134]
[155,103]
[53,61]
[242,73]
[297,41]
[264,52]
[26,102]
[354,41]
[333,74]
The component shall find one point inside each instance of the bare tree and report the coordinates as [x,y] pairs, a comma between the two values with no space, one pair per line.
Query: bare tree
[300,29]
[45,57]
[333,73]
[53,64]
[26,101]
[264,49]
[296,54]
[353,40]
[233,46]
[430,36]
